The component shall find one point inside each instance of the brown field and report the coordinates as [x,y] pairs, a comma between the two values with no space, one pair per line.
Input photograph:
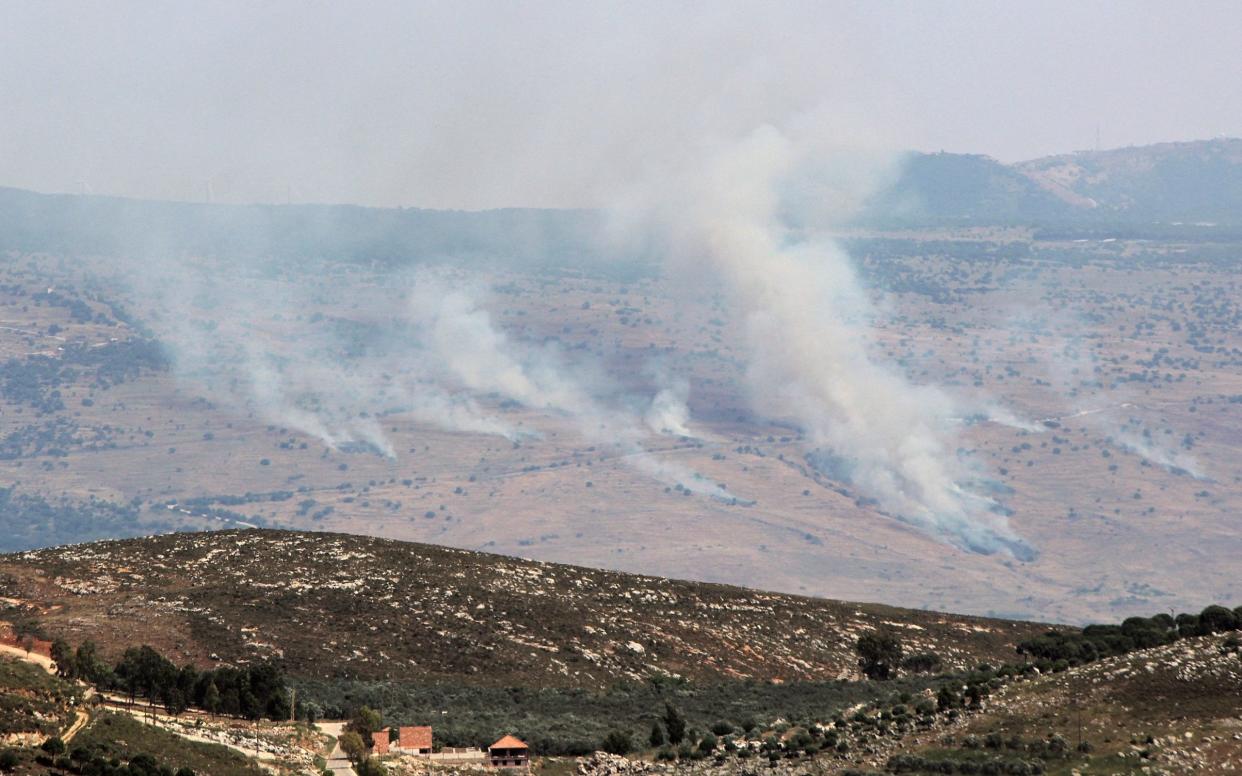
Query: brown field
[1063,332]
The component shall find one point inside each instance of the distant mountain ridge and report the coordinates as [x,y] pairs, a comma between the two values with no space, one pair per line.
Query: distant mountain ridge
[1193,182]
[1200,180]
[110,226]
[1196,182]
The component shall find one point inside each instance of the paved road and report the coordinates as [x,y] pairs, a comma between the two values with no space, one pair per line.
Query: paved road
[338,763]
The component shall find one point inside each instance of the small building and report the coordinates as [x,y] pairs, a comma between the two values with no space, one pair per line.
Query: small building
[415,739]
[379,742]
[509,752]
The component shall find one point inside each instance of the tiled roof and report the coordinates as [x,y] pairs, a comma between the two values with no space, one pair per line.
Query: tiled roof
[418,737]
[509,742]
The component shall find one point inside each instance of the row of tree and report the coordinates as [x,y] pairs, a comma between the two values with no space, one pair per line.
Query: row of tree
[252,692]
[1098,641]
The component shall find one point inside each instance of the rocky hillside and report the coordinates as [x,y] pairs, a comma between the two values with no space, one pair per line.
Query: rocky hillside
[340,606]
[1167,710]
[1172,709]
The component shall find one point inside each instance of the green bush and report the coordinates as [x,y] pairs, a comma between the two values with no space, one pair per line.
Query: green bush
[617,742]
[879,654]
[1217,619]
[657,738]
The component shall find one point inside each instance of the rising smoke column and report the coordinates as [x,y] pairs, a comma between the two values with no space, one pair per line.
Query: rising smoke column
[807,340]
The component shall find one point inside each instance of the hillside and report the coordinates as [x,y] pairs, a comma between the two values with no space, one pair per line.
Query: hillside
[32,703]
[963,189]
[1171,709]
[95,736]
[1198,181]
[336,606]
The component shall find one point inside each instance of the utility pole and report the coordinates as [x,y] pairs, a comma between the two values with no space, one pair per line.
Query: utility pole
[1078,714]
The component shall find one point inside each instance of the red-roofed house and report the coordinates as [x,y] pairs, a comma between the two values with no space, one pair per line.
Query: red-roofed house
[509,752]
[415,739]
[379,741]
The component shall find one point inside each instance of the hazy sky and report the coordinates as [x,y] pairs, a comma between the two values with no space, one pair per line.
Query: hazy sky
[471,105]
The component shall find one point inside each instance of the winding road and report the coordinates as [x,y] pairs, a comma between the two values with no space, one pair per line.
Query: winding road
[81,715]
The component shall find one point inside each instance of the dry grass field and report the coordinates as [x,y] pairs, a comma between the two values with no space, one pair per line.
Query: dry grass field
[1118,361]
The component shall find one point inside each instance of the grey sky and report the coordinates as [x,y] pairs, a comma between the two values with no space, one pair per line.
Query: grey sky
[545,104]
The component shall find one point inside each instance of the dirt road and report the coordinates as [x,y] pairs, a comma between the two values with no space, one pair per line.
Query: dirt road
[29,657]
[78,724]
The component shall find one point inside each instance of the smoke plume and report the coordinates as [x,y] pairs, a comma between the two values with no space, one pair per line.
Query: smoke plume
[738,218]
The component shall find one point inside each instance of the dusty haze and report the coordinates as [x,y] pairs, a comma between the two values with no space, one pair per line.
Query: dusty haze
[476,105]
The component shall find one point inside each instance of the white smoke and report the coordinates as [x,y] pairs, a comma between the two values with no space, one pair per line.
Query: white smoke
[460,338]
[670,411]
[462,341]
[807,338]
[239,332]
[1172,460]
[1006,417]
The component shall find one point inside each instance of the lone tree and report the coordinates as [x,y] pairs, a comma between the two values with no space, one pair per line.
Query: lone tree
[657,735]
[879,655]
[62,655]
[1217,619]
[211,699]
[351,744]
[365,722]
[675,724]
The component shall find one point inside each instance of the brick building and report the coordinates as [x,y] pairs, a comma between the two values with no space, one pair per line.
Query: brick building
[414,739]
[379,741]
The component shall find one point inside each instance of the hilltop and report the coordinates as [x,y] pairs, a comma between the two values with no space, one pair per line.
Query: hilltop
[947,188]
[338,606]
